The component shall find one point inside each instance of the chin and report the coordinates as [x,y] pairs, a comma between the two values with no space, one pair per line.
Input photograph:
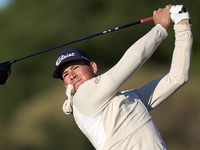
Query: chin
[76,88]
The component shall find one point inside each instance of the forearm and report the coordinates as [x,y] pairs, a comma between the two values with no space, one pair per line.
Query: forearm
[160,89]
[181,60]
[133,58]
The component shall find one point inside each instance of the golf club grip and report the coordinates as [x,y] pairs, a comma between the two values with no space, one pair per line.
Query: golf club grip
[146,20]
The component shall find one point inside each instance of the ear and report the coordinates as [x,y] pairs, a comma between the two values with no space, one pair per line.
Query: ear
[94,68]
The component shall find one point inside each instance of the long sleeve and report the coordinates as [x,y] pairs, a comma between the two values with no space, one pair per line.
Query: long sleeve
[155,92]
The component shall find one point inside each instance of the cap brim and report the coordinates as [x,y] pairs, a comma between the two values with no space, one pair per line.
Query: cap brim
[56,73]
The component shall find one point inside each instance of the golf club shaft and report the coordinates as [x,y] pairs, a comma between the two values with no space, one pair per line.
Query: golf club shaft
[88,37]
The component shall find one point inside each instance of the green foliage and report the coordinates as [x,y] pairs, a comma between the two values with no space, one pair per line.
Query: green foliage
[31,26]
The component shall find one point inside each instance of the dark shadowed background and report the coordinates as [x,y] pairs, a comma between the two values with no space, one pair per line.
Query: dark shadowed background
[31,117]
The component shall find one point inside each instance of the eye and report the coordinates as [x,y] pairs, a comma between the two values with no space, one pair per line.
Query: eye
[75,67]
[64,75]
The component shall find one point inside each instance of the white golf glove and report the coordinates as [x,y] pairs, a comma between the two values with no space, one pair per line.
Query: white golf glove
[178,13]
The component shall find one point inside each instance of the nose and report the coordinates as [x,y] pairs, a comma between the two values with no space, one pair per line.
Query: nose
[72,75]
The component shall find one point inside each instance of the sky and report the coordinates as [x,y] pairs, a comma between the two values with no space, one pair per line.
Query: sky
[4,3]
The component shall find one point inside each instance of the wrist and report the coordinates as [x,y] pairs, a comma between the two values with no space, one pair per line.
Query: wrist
[185,21]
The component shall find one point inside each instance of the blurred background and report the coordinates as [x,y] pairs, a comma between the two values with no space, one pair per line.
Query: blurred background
[31,117]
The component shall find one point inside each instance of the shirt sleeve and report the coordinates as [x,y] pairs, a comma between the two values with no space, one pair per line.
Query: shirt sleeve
[155,92]
[92,97]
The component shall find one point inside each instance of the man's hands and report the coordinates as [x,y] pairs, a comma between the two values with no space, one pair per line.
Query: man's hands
[177,13]
[162,16]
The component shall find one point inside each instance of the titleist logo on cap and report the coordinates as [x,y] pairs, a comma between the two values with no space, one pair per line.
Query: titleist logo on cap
[60,58]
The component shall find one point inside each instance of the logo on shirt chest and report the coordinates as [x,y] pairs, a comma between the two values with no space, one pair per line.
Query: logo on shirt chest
[96,80]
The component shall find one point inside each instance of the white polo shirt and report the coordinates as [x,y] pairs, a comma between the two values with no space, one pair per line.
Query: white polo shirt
[114,120]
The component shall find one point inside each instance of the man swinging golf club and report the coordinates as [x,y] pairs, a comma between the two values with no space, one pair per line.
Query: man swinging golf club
[114,120]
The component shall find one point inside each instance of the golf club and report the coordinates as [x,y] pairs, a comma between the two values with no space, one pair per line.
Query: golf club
[5,67]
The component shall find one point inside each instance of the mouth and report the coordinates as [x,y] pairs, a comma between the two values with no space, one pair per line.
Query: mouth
[77,83]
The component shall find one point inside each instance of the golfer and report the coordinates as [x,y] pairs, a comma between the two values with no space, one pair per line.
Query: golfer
[114,120]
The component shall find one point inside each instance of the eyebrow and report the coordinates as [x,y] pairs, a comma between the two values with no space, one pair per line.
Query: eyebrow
[66,71]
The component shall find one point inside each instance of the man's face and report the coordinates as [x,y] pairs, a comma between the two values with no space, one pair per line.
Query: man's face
[77,72]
